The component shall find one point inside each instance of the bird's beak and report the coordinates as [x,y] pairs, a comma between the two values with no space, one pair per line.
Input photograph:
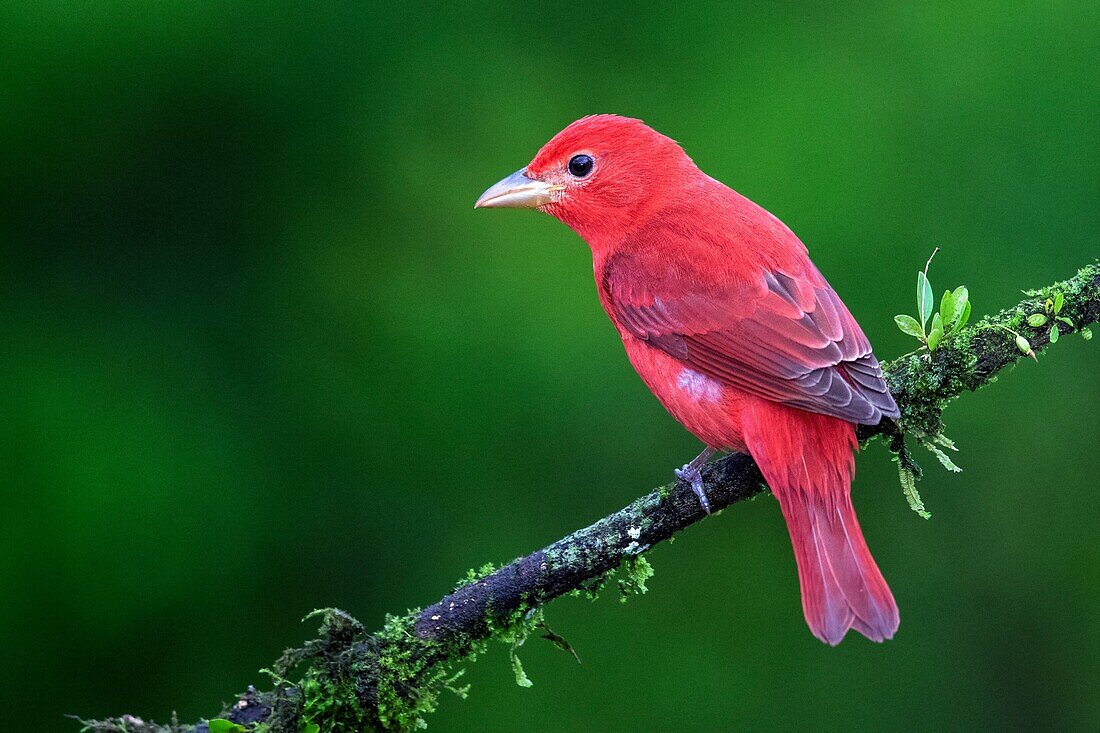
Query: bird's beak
[517,191]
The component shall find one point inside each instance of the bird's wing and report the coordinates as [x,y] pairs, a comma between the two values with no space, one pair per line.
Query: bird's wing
[781,335]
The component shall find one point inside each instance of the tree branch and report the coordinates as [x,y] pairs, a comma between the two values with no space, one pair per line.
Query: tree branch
[389,679]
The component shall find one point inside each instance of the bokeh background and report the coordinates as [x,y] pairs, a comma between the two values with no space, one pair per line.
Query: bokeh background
[260,355]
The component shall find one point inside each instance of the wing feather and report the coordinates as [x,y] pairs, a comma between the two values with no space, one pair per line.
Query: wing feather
[783,335]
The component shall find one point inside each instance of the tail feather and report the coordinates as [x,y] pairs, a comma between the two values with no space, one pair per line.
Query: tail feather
[842,587]
[866,590]
[864,598]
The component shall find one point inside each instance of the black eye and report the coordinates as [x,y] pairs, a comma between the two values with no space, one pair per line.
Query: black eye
[581,165]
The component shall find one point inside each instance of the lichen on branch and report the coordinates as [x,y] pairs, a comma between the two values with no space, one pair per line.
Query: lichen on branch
[347,679]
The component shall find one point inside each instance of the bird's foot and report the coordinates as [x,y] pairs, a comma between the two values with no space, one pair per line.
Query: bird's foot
[694,477]
[693,474]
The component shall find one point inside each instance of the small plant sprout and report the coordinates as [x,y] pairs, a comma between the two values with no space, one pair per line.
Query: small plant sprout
[930,327]
[953,313]
[1021,343]
[1051,313]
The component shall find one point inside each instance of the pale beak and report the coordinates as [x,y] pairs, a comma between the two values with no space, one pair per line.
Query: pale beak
[517,191]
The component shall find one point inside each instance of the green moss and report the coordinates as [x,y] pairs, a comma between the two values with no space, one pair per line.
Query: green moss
[570,556]
[126,724]
[924,384]
[411,672]
[514,633]
[633,574]
[475,574]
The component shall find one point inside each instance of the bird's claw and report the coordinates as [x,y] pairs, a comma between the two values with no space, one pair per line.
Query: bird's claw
[694,477]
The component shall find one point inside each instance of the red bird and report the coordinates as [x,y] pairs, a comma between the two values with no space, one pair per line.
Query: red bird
[736,332]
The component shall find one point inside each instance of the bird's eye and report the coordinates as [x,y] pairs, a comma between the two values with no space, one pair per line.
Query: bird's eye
[581,165]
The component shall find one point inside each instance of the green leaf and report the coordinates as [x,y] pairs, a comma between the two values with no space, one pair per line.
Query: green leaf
[908,325]
[221,725]
[449,684]
[961,298]
[560,642]
[1064,320]
[942,457]
[936,333]
[934,337]
[517,667]
[1059,299]
[963,318]
[1086,333]
[947,307]
[1036,319]
[909,488]
[924,298]
[946,442]
[311,728]
[1054,334]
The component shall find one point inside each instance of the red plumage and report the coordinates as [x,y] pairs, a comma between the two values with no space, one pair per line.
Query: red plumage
[735,331]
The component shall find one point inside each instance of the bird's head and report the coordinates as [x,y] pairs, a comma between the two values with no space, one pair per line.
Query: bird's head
[602,176]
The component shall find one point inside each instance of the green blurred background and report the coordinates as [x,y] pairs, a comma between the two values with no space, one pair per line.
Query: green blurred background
[262,356]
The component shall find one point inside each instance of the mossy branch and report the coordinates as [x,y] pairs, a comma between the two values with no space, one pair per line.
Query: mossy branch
[349,680]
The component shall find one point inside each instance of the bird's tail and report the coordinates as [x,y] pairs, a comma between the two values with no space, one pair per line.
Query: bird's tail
[807,461]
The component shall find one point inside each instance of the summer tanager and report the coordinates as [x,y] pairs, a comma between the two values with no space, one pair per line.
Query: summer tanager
[736,332]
